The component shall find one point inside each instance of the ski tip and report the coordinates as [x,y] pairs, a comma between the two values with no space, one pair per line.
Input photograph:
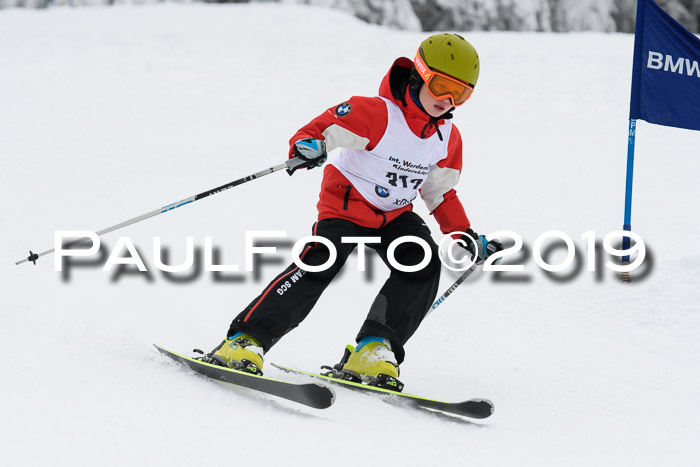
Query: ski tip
[325,397]
[478,408]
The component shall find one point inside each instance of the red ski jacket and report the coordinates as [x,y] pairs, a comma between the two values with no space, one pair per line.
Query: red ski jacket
[374,135]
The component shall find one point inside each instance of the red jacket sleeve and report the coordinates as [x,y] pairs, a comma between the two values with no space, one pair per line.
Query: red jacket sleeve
[357,123]
[450,214]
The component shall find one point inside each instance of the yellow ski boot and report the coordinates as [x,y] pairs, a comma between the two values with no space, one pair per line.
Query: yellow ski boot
[241,352]
[372,362]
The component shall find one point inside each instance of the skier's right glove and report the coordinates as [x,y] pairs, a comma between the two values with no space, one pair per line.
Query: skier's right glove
[311,151]
[484,248]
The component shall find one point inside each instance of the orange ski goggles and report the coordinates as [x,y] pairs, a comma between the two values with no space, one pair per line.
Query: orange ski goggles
[442,86]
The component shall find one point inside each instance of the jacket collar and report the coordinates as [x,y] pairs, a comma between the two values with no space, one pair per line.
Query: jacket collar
[395,87]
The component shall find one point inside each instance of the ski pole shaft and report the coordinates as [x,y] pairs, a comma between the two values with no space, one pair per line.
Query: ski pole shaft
[290,165]
[452,288]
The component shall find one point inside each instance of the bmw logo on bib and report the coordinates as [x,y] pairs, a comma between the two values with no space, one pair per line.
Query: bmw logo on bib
[343,109]
[381,191]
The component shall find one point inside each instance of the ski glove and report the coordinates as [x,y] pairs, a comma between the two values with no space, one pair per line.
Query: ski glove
[313,151]
[485,248]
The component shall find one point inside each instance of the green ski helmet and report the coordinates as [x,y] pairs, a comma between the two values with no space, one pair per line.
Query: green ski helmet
[448,54]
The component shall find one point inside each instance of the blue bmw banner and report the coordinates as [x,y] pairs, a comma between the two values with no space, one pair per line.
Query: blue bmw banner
[666,70]
[665,86]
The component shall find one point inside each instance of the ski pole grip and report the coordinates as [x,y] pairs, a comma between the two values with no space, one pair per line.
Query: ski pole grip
[294,163]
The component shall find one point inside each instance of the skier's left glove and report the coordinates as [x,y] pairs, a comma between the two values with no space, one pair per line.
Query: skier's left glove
[311,151]
[484,248]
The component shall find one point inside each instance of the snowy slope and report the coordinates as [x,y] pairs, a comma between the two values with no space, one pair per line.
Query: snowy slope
[107,113]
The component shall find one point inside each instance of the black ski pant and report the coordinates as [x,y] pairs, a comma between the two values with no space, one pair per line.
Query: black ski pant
[398,309]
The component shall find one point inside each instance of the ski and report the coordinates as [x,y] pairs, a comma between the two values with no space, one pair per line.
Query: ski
[312,395]
[473,408]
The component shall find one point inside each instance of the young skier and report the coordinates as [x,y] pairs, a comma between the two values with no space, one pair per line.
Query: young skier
[394,147]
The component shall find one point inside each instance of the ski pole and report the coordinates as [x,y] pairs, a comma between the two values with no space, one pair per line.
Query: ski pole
[452,288]
[290,165]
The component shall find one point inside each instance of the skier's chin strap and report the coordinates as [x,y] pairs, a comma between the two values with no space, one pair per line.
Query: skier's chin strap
[432,121]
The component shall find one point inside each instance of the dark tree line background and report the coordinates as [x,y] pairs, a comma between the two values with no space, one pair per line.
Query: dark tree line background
[468,15]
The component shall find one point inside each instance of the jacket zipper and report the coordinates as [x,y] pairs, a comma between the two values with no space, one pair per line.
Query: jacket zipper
[346,198]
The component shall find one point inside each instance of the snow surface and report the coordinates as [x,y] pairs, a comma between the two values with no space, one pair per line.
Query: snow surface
[107,113]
